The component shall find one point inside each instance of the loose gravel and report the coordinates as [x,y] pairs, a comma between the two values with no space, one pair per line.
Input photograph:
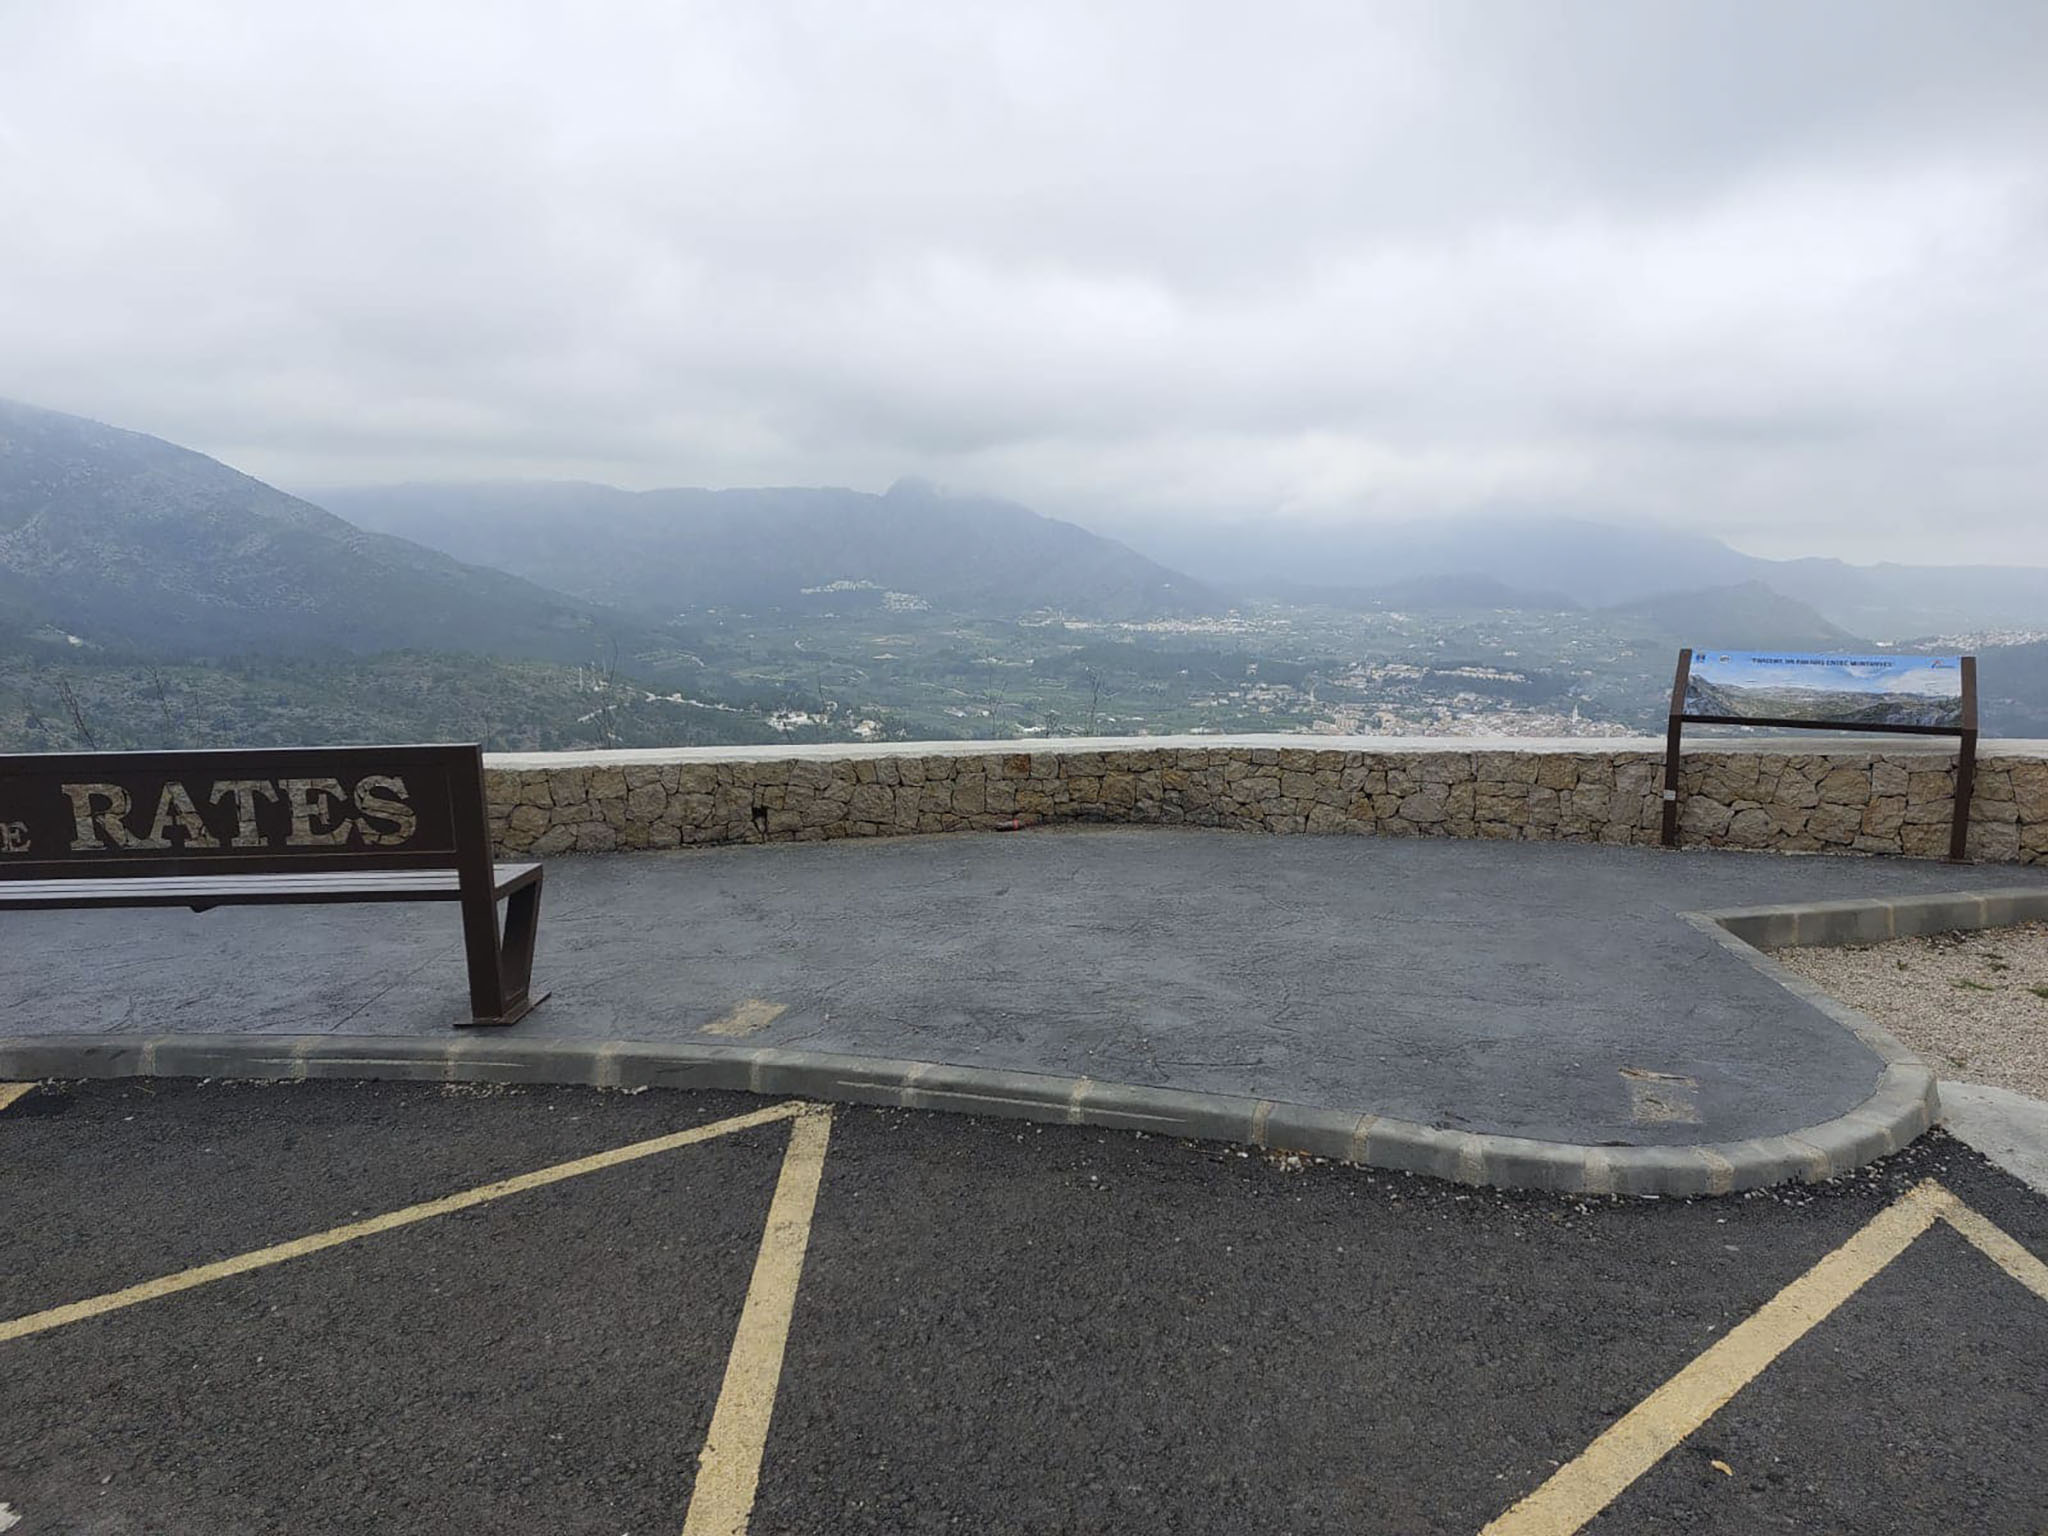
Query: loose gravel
[1974,1004]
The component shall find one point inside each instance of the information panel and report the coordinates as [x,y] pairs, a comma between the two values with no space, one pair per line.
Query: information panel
[1786,687]
[1806,690]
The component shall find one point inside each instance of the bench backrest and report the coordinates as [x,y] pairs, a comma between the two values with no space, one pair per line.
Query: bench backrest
[85,815]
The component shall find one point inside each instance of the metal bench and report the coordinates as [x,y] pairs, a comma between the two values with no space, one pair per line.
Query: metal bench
[274,826]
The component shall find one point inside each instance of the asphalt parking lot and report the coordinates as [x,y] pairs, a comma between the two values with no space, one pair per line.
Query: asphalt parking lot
[329,1307]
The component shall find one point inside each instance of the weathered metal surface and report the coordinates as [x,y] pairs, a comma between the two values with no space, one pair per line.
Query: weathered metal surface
[314,824]
[169,813]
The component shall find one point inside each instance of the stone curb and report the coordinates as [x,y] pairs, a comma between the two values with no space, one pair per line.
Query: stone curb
[1902,1106]
[1907,1101]
[1901,1109]
[1873,920]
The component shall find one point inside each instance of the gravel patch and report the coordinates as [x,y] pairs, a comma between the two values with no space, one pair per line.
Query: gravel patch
[1974,1004]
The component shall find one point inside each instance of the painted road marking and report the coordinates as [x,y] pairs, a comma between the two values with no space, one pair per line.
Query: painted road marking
[729,1467]
[334,1237]
[756,1013]
[9,1092]
[1999,1248]
[1642,1437]
[1661,1098]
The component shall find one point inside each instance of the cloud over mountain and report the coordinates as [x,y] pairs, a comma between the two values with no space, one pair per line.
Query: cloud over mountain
[1773,272]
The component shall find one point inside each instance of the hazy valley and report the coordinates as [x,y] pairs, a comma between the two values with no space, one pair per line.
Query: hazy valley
[150,596]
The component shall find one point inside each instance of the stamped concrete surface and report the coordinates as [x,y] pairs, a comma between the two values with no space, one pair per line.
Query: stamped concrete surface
[1540,990]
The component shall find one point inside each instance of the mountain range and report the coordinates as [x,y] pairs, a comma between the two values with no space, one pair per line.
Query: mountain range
[129,540]
[123,547]
[655,552]
[1765,617]
[1704,697]
[1747,608]
[1604,565]
[122,541]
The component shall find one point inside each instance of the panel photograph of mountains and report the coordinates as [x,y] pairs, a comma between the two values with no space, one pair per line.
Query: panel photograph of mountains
[1923,691]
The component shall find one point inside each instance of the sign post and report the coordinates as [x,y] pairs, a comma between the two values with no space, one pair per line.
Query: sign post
[1910,695]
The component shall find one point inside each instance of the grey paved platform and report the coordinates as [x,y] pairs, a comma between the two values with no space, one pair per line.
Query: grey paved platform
[1517,989]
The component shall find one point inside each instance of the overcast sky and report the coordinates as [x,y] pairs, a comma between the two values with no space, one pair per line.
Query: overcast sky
[1777,271]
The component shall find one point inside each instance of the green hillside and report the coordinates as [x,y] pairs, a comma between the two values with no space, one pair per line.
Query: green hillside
[129,542]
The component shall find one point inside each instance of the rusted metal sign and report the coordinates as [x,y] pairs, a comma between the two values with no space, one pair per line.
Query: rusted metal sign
[273,826]
[184,813]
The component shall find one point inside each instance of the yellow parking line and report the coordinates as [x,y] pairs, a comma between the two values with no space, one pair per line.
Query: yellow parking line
[334,1237]
[729,1467]
[9,1092]
[1580,1489]
[1642,1437]
[1999,1248]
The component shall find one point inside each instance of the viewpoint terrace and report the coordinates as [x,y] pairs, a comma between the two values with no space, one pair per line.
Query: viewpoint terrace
[1585,1013]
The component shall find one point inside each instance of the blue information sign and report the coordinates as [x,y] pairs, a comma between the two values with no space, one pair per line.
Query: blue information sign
[1790,687]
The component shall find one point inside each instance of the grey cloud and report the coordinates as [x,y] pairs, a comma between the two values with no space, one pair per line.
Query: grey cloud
[1777,270]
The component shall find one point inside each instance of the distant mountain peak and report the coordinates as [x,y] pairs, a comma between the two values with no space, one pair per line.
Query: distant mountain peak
[1602,564]
[1752,612]
[659,552]
[126,540]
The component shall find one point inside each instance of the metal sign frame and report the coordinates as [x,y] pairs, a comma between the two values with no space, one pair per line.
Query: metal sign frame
[1966,756]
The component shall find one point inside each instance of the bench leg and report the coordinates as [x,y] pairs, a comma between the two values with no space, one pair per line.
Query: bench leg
[522,925]
[501,972]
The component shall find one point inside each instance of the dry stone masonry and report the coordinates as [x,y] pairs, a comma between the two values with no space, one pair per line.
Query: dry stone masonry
[1884,800]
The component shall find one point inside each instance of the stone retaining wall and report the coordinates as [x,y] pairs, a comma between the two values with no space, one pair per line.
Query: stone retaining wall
[1881,799]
